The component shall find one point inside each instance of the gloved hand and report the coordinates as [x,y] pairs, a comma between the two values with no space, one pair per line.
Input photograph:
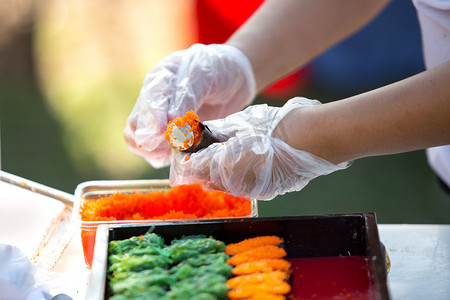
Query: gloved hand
[250,162]
[17,276]
[212,80]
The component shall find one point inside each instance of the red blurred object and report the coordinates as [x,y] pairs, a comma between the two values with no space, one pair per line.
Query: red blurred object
[218,19]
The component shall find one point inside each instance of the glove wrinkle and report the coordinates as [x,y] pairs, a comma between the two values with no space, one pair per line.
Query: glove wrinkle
[251,163]
[213,80]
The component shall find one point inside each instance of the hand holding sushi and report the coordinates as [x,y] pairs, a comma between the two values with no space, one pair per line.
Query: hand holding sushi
[212,80]
[251,162]
[259,158]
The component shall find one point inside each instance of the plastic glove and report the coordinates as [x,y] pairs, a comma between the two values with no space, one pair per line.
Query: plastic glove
[251,163]
[17,276]
[212,80]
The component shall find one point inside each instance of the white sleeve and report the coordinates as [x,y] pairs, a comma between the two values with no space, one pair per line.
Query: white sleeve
[434,18]
[439,160]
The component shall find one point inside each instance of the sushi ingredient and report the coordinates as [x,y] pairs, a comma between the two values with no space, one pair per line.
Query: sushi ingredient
[197,267]
[203,263]
[132,263]
[184,132]
[181,202]
[141,281]
[192,267]
[263,265]
[185,271]
[257,253]
[256,278]
[149,243]
[185,248]
[187,134]
[206,259]
[267,296]
[247,244]
[248,290]
[261,271]
[211,283]
[150,292]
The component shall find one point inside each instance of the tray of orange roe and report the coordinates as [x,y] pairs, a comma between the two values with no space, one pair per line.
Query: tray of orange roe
[141,201]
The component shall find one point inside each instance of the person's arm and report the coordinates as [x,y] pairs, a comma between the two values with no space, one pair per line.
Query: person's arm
[408,115]
[284,35]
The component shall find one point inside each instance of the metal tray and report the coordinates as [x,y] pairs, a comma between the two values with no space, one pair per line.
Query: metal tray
[304,236]
[92,190]
[102,188]
[35,218]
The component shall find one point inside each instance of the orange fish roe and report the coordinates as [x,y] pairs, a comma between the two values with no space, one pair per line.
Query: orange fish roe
[192,120]
[257,278]
[247,244]
[263,265]
[262,273]
[181,202]
[267,296]
[263,296]
[248,290]
[258,253]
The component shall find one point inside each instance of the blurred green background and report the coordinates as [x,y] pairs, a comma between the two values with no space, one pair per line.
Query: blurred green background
[70,72]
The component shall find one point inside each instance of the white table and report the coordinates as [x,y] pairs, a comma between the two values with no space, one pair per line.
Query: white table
[419,254]
[420,261]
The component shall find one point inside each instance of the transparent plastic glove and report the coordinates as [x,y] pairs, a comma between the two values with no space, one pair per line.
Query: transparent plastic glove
[212,80]
[17,280]
[251,163]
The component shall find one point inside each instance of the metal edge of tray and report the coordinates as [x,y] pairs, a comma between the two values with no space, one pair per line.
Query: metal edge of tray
[38,188]
[97,185]
[97,284]
[376,251]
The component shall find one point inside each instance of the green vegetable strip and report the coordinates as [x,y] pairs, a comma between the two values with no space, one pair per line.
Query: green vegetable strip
[192,267]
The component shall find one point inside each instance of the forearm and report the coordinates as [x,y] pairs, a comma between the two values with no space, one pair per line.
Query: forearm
[284,35]
[408,115]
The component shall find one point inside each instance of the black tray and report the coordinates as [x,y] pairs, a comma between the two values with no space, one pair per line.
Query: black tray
[304,236]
